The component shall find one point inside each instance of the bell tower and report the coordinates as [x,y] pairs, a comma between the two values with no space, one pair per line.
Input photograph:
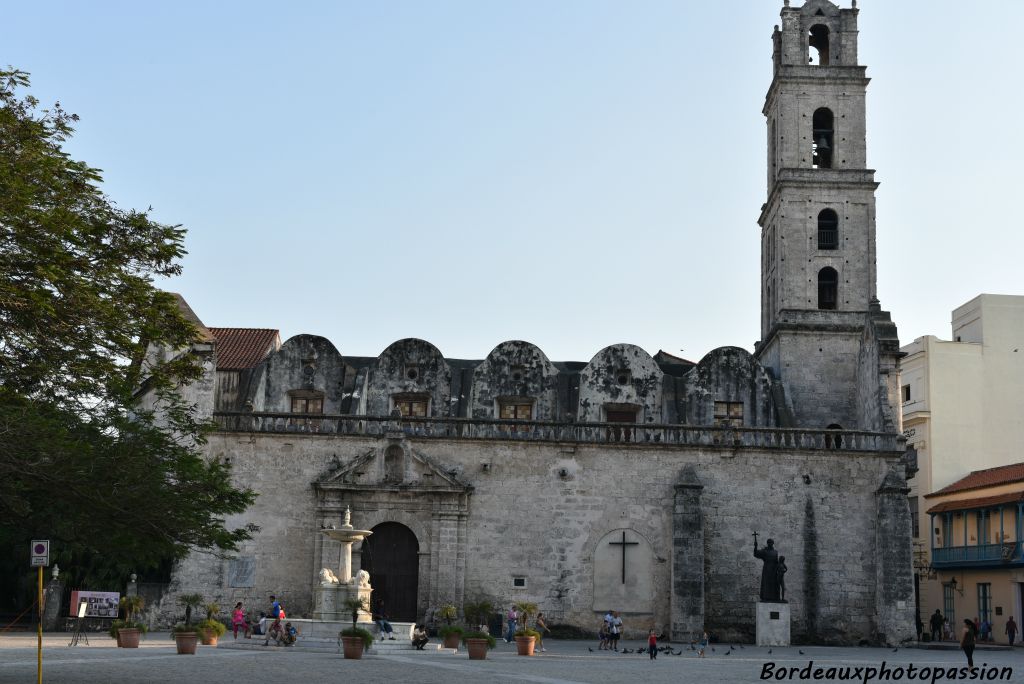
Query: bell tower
[818,223]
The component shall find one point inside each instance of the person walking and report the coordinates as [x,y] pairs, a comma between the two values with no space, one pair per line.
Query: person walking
[967,641]
[541,626]
[512,618]
[652,644]
[935,622]
[1011,630]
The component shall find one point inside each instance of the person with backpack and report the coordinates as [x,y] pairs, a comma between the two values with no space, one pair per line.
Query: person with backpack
[967,641]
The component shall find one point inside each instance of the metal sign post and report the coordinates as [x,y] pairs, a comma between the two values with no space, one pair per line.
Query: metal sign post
[40,554]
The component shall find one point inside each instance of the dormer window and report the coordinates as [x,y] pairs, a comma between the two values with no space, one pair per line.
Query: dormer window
[411,405]
[306,401]
[728,414]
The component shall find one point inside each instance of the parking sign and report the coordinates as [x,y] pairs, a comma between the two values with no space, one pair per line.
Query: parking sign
[40,553]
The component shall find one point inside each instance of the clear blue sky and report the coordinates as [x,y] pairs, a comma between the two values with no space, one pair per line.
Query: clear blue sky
[572,173]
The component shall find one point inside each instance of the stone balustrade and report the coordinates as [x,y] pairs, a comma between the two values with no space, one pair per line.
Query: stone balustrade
[648,434]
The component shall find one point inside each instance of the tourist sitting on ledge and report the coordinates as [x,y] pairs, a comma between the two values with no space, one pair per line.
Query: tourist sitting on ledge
[381,618]
[419,637]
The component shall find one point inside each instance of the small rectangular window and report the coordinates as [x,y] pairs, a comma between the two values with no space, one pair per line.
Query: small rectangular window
[307,405]
[906,393]
[510,411]
[412,408]
[728,414]
[519,582]
[914,517]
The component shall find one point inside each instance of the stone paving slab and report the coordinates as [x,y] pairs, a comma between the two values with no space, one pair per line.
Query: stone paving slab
[565,662]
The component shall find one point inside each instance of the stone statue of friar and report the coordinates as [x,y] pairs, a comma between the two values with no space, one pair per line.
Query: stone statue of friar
[769,571]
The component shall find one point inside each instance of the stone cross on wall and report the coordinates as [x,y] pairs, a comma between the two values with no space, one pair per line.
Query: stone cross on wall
[623,544]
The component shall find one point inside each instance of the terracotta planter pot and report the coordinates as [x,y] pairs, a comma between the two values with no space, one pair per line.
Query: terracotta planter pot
[352,647]
[128,637]
[452,640]
[477,649]
[186,642]
[524,645]
[208,637]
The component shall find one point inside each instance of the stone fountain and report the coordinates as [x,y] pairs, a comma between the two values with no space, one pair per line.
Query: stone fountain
[329,597]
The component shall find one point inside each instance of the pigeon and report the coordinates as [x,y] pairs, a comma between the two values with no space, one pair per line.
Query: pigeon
[896,650]
[712,649]
[626,650]
[728,653]
[801,652]
[680,652]
[769,651]
[742,646]
[590,649]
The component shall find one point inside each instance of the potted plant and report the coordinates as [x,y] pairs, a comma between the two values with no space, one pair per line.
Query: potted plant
[211,629]
[128,631]
[450,633]
[526,638]
[478,614]
[478,643]
[355,639]
[185,638]
[190,601]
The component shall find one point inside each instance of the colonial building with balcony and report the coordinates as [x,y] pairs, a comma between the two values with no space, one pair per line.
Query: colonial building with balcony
[976,529]
[628,482]
[961,406]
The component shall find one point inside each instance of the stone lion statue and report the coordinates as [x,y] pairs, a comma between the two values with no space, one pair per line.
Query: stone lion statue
[327,578]
[363,578]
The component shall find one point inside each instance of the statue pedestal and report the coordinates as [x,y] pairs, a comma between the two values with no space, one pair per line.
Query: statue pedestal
[329,602]
[773,622]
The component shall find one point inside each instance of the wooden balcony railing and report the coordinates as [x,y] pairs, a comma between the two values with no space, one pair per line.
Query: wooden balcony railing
[1008,553]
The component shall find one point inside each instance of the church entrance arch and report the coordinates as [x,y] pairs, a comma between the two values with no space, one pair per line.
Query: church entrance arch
[391,556]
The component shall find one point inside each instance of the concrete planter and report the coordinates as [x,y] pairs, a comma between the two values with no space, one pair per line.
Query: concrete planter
[477,649]
[352,647]
[525,644]
[128,637]
[186,642]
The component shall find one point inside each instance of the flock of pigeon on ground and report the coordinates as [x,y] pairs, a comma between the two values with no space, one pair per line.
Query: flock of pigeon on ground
[693,647]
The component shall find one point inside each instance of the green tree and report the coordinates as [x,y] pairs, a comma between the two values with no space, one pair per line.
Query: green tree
[114,487]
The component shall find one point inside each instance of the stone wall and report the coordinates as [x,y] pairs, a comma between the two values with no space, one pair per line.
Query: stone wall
[538,510]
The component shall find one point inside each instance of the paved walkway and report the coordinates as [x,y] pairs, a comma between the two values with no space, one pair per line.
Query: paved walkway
[566,662]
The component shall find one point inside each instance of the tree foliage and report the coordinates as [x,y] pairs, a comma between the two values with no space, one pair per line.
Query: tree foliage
[79,462]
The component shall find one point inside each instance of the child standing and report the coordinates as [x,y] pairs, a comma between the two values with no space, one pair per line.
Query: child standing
[652,644]
[238,620]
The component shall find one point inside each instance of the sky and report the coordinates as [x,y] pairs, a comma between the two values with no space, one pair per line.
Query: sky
[574,173]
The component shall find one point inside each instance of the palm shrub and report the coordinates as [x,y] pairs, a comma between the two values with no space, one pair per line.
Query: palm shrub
[190,601]
[355,605]
[526,609]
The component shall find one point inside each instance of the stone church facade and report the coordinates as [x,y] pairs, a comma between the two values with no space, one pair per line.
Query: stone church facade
[630,482]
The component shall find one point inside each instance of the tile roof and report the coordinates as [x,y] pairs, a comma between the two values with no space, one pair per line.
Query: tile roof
[980,502]
[241,348]
[989,477]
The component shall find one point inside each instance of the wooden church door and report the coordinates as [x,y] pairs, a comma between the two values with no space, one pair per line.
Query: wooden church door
[391,556]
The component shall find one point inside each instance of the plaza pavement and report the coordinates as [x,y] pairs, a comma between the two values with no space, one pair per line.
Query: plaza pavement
[565,662]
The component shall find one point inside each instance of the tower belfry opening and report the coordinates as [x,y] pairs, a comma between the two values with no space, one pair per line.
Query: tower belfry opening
[817,39]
